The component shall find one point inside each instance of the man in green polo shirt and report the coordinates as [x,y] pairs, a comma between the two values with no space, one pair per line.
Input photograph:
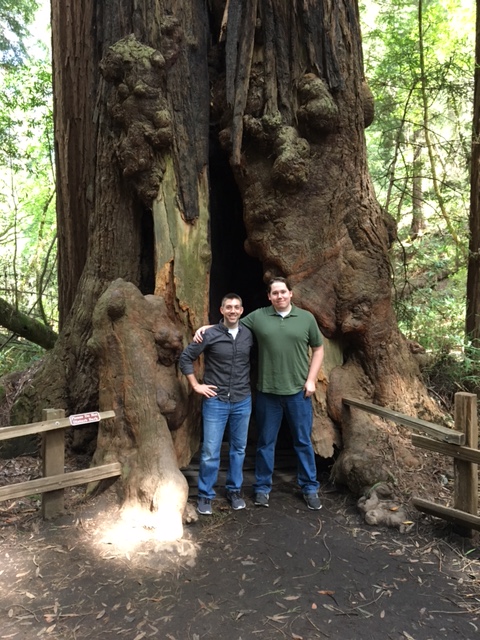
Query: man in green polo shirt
[286,382]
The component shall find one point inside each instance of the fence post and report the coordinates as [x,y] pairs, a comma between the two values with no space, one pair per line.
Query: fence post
[53,463]
[466,473]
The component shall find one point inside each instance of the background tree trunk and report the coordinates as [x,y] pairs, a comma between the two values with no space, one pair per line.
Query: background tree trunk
[418,220]
[241,130]
[140,116]
[473,278]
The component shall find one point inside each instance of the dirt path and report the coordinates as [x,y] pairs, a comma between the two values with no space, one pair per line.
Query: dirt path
[281,572]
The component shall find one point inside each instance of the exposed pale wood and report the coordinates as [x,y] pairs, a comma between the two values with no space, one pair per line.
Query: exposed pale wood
[464,520]
[74,478]
[53,463]
[16,431]
[436,431]
[223,28]
[244,47]
[455,451]
[466,473]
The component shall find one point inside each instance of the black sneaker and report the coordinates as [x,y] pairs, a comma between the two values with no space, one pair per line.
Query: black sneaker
[204,506]
[262,499]
[236,500]
[313,501]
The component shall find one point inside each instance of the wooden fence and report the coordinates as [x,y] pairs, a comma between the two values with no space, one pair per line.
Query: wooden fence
[54,479]
[461,443]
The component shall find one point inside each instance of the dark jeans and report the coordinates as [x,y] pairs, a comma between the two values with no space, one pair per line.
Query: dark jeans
[270,409]
[216,414]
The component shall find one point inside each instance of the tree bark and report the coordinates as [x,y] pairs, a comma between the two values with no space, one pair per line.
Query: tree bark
[310,210]
[132,155]
[279,84]
[146,159]
[137,346]
[75,76]
[418,220]
[472,324]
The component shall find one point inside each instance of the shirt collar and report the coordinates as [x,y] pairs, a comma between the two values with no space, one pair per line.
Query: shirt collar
[224,327]
[272,312]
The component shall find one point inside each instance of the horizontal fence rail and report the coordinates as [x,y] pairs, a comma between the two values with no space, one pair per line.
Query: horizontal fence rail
[456,516]
[436,431]
[60,481]
[468,454]
[16,431]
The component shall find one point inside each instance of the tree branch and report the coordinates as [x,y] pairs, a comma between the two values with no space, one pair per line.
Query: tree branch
[26,327]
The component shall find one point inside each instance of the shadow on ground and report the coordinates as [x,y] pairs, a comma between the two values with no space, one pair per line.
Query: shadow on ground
[281,572]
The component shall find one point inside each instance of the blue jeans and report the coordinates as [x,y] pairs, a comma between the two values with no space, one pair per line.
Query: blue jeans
[216,415]
[297,409]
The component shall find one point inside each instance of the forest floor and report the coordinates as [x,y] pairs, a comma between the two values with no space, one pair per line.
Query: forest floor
[279,573]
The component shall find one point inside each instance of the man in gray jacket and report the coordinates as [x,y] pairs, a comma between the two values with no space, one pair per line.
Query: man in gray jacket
[227,400]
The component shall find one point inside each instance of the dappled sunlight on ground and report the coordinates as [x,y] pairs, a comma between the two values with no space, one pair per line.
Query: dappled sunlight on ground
[131,532]
[134,526]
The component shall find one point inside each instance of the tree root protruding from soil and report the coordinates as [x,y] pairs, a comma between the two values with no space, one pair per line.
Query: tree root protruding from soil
[137,345]
[380,506]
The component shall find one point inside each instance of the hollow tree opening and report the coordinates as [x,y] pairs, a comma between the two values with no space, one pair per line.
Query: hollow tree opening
[232,270]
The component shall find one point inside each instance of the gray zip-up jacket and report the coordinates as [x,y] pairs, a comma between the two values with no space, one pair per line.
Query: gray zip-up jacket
[227,361]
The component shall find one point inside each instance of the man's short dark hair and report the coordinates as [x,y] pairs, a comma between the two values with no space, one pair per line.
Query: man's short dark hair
[231,296]
[278,279]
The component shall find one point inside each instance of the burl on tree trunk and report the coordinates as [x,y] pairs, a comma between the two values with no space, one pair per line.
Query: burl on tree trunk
[137,346]
[292,117]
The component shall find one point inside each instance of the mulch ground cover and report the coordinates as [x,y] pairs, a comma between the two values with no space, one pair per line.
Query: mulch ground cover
[281,572]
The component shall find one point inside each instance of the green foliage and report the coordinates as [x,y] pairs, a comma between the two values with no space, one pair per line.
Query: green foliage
[17,354]
[451,372]
[435,317]
[27,200]
[421,73]
[15,16]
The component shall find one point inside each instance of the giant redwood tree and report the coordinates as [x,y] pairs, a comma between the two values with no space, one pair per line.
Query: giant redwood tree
[203,147]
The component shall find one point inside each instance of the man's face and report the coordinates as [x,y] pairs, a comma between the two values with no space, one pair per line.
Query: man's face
[280,296]
[231,311]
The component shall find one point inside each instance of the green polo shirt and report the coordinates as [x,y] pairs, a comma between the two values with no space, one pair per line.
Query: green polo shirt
[283,343]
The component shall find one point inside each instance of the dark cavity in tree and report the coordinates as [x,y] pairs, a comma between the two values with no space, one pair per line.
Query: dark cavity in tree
[233,270]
